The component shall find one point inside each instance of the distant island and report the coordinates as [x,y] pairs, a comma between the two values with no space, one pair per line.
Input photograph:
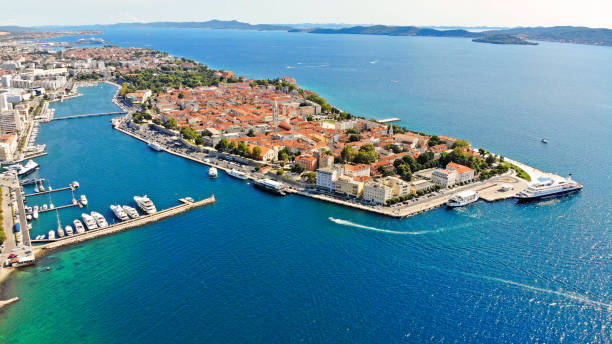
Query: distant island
[561,34]
[503,39]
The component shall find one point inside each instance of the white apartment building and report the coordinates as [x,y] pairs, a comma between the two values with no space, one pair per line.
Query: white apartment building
[326,178]
[444,178]
[377,192]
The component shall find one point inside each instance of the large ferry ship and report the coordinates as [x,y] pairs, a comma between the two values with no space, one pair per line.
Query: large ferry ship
[145,204]
[463,198]
[548,188]
[271,186]
[237,174]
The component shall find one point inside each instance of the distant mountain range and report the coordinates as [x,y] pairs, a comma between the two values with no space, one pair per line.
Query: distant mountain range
[564,34]
[213,24]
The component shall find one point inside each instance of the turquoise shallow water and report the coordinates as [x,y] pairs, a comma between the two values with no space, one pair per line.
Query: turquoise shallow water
[259,268]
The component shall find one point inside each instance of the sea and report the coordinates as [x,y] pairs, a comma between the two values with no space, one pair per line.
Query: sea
[258,268]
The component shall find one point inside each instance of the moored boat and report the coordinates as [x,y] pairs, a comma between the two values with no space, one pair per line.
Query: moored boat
[119,212]
[237,174]
[549,188]
[78,226]
[270,185]
[89,221]
[68,229]
[100,220]
[51,235]
[83,200]
[145,204]
[131,212]
[155,146]
[212,172]
[463,198]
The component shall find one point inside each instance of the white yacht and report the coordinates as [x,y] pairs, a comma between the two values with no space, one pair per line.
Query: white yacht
[35,212]
[68,230]
[237,174]
[44,207]
[548,188]
[100,220]
[51,235]
[60,232]
[29,217]
[463,198]
[78,226]
[119,212]
[131,212]
[83,200]
[29,167]
[212,172]
[155,146]
[89,221]
[145,204]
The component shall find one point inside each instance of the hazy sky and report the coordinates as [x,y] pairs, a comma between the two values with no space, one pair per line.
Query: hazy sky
[592,13]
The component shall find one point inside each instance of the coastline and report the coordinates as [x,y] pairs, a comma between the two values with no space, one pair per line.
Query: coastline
[409,210]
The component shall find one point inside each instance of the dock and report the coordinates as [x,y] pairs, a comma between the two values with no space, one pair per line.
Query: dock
[40,211]
[49,191]
[90,115]
[121,226]
[389,120]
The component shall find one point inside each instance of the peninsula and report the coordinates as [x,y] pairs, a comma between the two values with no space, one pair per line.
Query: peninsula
[503,39]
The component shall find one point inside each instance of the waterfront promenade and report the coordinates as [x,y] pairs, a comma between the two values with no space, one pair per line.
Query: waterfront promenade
[490,188]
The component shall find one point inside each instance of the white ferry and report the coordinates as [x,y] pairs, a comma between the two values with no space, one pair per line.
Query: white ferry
[156,147]
[549,188]
[271,186]
[237,174]
[89,221]
[212,172]
[119,212]
[145,204]
[78,226]
[131,212]
[463,198]
[100,220]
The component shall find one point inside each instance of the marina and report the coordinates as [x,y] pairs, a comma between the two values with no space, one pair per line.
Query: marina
[54,243]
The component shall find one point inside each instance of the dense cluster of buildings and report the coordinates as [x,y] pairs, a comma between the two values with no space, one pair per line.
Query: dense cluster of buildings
[276,120]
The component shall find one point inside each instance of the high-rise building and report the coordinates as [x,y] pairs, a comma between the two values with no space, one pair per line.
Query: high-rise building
[4,104]
[6,80]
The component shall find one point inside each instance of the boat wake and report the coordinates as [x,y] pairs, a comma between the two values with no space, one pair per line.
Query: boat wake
[374,62]
[356,225]
[569,295]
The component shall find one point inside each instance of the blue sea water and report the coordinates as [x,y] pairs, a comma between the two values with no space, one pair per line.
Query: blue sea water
[258,268]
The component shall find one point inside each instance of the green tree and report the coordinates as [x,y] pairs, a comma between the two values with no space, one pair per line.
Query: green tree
[311,177]
[256,152]
[461,144]
[171,123]
[298,168]
[251,133]
[354,138]
[348,153]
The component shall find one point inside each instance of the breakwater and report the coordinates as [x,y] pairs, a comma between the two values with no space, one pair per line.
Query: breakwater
[125,225]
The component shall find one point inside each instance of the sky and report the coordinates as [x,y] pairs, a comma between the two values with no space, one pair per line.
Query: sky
[503,13]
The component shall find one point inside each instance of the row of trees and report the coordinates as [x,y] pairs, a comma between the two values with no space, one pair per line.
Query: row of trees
[412,195]
[239,148]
